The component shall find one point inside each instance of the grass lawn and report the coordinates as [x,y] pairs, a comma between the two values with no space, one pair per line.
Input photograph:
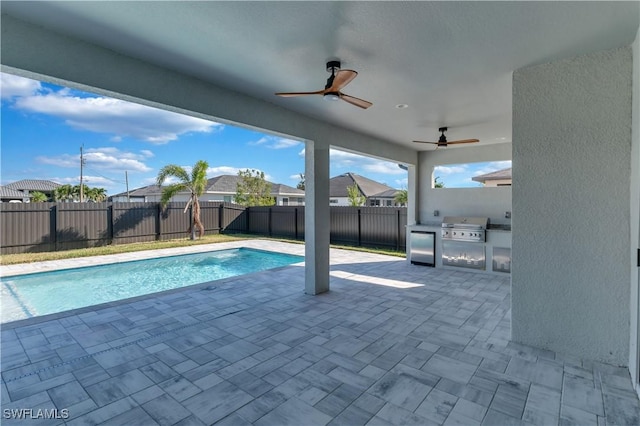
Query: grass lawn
[11,259]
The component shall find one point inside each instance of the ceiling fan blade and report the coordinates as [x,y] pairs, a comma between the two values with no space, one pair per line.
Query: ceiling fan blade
[355,101]
[463,141]
[342,78]
[292,94]
[435,143]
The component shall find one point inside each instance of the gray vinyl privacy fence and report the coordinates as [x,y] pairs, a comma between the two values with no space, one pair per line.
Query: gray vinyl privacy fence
[37,227]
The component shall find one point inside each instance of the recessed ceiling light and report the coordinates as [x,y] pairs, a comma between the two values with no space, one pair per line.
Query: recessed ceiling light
[402,106]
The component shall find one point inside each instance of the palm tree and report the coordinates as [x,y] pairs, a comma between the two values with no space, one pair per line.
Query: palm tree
[402,197]
[302,183]
[38,197]
[63,193]
[97,195]
[76,192]
[194,183]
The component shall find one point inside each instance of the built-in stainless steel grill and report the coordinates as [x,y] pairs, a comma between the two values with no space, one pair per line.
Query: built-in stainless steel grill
[464,228]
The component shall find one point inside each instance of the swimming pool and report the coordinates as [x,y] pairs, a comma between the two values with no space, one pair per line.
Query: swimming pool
[50,292]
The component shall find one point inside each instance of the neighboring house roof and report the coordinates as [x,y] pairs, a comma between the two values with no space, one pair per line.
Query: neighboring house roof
[141,192]
[282,189]
[224,184]
[10,193]
[229,183]
[389,193]
[33,185]
[497,175]
[369,188]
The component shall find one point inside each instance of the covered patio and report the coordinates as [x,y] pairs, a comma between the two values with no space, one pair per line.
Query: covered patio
[392,343]
[552,86]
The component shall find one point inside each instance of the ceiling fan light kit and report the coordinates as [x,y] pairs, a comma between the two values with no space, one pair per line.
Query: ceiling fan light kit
[339,78]
[331,96]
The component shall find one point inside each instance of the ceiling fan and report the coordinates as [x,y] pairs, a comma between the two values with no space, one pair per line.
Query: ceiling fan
[443,143]
[339,78]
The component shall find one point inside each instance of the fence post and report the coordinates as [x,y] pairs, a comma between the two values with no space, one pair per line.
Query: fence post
[111,223]
[399,230]
[159,222]
[53,224]
[295,223]
[220,218]
[359,227]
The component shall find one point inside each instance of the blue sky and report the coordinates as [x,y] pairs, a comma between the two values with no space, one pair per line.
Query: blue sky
[44,125]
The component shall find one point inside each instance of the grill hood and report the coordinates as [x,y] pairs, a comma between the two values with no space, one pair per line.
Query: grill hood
[465,222]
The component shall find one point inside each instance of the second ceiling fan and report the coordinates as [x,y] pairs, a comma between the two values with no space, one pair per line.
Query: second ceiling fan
[443,143]
[332,90]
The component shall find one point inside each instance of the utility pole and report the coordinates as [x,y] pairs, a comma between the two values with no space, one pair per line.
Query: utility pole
[126,179]
[81,180]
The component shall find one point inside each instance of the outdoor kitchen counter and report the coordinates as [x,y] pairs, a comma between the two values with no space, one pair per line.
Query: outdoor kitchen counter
[499,228]
[498,236]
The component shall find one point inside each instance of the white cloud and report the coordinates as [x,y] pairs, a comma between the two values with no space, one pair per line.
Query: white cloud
[368,164]
[90,181]
[13,86]
[344,159]
[147,153]
[385,167]
[274,142]
[447,170]
[491,167]
[222,170]
[402,183]
[99,181]
[107,158]
[70,180]
[296,177]
[267,176]
[149,181]
[114,116]
[226,170]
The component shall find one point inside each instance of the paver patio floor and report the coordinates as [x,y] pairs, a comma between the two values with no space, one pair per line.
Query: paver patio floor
[391,343]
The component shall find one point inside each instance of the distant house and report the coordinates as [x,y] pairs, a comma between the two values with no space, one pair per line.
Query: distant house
[146,194]
[497,178]
[27,186]
[8,195]
[219,188]
[376,193]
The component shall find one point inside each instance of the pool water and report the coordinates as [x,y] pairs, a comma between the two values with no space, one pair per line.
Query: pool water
[49,292]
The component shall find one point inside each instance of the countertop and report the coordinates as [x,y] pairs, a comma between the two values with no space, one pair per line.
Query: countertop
[430,225]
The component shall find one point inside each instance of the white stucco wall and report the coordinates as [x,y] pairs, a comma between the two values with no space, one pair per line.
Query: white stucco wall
[571,174]
[634,355]
[341,201]
[483,202]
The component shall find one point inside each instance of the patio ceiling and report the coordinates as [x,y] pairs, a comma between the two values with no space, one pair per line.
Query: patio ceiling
[451,62]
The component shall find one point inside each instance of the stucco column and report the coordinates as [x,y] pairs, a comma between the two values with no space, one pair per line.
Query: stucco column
[570,284]
[413,191]
[316,218]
